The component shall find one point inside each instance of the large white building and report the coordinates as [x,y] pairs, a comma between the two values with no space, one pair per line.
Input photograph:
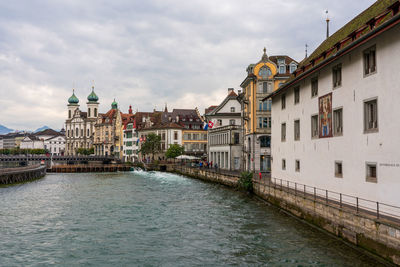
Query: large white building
[225,137]
[335,122]
[79,126]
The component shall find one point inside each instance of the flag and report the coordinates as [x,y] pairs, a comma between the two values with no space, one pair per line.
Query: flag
[205,126]
[210,124]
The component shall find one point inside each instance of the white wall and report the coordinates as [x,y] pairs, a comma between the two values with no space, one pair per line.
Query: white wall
[354,148]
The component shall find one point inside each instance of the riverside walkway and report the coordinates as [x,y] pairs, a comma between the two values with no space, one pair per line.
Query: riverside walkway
[21,174]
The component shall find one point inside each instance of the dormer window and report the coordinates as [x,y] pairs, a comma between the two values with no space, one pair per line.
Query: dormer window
[232,109]
[282,69]
[293,67]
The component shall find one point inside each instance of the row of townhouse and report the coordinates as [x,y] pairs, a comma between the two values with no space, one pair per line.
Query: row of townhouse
[119,134]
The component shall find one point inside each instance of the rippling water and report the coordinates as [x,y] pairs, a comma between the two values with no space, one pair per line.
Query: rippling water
[154,219]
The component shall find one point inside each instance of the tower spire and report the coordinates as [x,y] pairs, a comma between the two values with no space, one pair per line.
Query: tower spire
[327,24]
[306,50]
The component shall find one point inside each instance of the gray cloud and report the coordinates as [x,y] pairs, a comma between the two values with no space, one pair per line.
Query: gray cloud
[144,53]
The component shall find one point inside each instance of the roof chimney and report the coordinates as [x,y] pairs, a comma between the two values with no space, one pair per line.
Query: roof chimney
[230,90]
[130,109]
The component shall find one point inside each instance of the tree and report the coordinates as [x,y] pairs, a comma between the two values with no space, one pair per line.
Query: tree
[152,145]
[85,151]
[174,151]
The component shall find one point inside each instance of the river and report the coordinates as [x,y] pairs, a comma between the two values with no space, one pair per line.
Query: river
[154,219]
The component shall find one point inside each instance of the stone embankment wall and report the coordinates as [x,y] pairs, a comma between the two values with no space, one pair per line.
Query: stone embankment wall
[22,174]
[379,236]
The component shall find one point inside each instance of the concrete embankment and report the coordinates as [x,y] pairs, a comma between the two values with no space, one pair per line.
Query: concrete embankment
[378,236]
[21,174]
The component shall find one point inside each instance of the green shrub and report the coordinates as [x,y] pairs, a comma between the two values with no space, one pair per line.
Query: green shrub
[246,181]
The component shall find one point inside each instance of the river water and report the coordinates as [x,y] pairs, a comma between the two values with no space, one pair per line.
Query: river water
[154,219]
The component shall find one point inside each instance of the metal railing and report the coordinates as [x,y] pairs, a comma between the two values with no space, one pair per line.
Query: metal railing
[351,203]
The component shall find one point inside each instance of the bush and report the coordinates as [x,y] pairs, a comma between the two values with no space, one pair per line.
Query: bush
[246,181]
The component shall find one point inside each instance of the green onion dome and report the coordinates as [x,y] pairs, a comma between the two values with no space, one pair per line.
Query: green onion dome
[93,97]
[114,105]
[73,99]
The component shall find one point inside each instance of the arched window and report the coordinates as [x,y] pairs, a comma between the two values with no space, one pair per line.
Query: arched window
[77,132]
[68,133]
[88,132]
[95,112]
[69,114]
[72,133]
[265,72]
[89,112]
[82,132]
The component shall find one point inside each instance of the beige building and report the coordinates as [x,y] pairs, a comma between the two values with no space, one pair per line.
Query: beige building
[108,134]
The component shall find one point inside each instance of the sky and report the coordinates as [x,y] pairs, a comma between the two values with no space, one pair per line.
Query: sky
[145,53]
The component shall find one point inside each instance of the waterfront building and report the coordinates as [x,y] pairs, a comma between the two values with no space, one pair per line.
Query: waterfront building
[130,137]
[108,133]
[52,141]
[13,140]
[1,142]
[335,121]
[32,142]
[79,125]
[193,137]
[262,78]
[224,133]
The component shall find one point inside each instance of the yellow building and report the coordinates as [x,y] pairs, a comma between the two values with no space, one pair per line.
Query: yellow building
[262,79]
[194,142]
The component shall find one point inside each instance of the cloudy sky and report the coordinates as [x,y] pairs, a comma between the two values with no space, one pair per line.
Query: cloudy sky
[145,53]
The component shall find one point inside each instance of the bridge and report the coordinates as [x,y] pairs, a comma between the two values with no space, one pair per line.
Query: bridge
[62,159]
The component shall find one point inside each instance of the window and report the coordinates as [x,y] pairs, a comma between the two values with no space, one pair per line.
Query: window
[219,122]
[337,75]
[236,139]
[82,132]
[265,141]
[293,67]
[297,165]
[265,72]
[297,130]
[232,122]
[264,122]
[89,112]
[283,101]
[371,116]
[232,109]
[265,87]
[314,87]
[338,122]
[88,132]
[163,136]
[264,105]
[69,114]
[282,69]
[95,112]
[283,164]
[296,95]
[283,132]
[68,133]
[77,132]
[370,60]
[314,126]
[175,135]
[371,173]
[338,169]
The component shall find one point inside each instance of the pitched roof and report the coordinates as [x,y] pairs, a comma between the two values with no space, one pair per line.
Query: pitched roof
[358,29]
[47,132]
[231,96]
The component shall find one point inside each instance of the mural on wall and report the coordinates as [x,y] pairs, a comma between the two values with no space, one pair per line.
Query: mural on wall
[325,116]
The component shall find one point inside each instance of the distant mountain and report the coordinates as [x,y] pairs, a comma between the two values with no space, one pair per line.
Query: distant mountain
[41,129]
[5,130]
